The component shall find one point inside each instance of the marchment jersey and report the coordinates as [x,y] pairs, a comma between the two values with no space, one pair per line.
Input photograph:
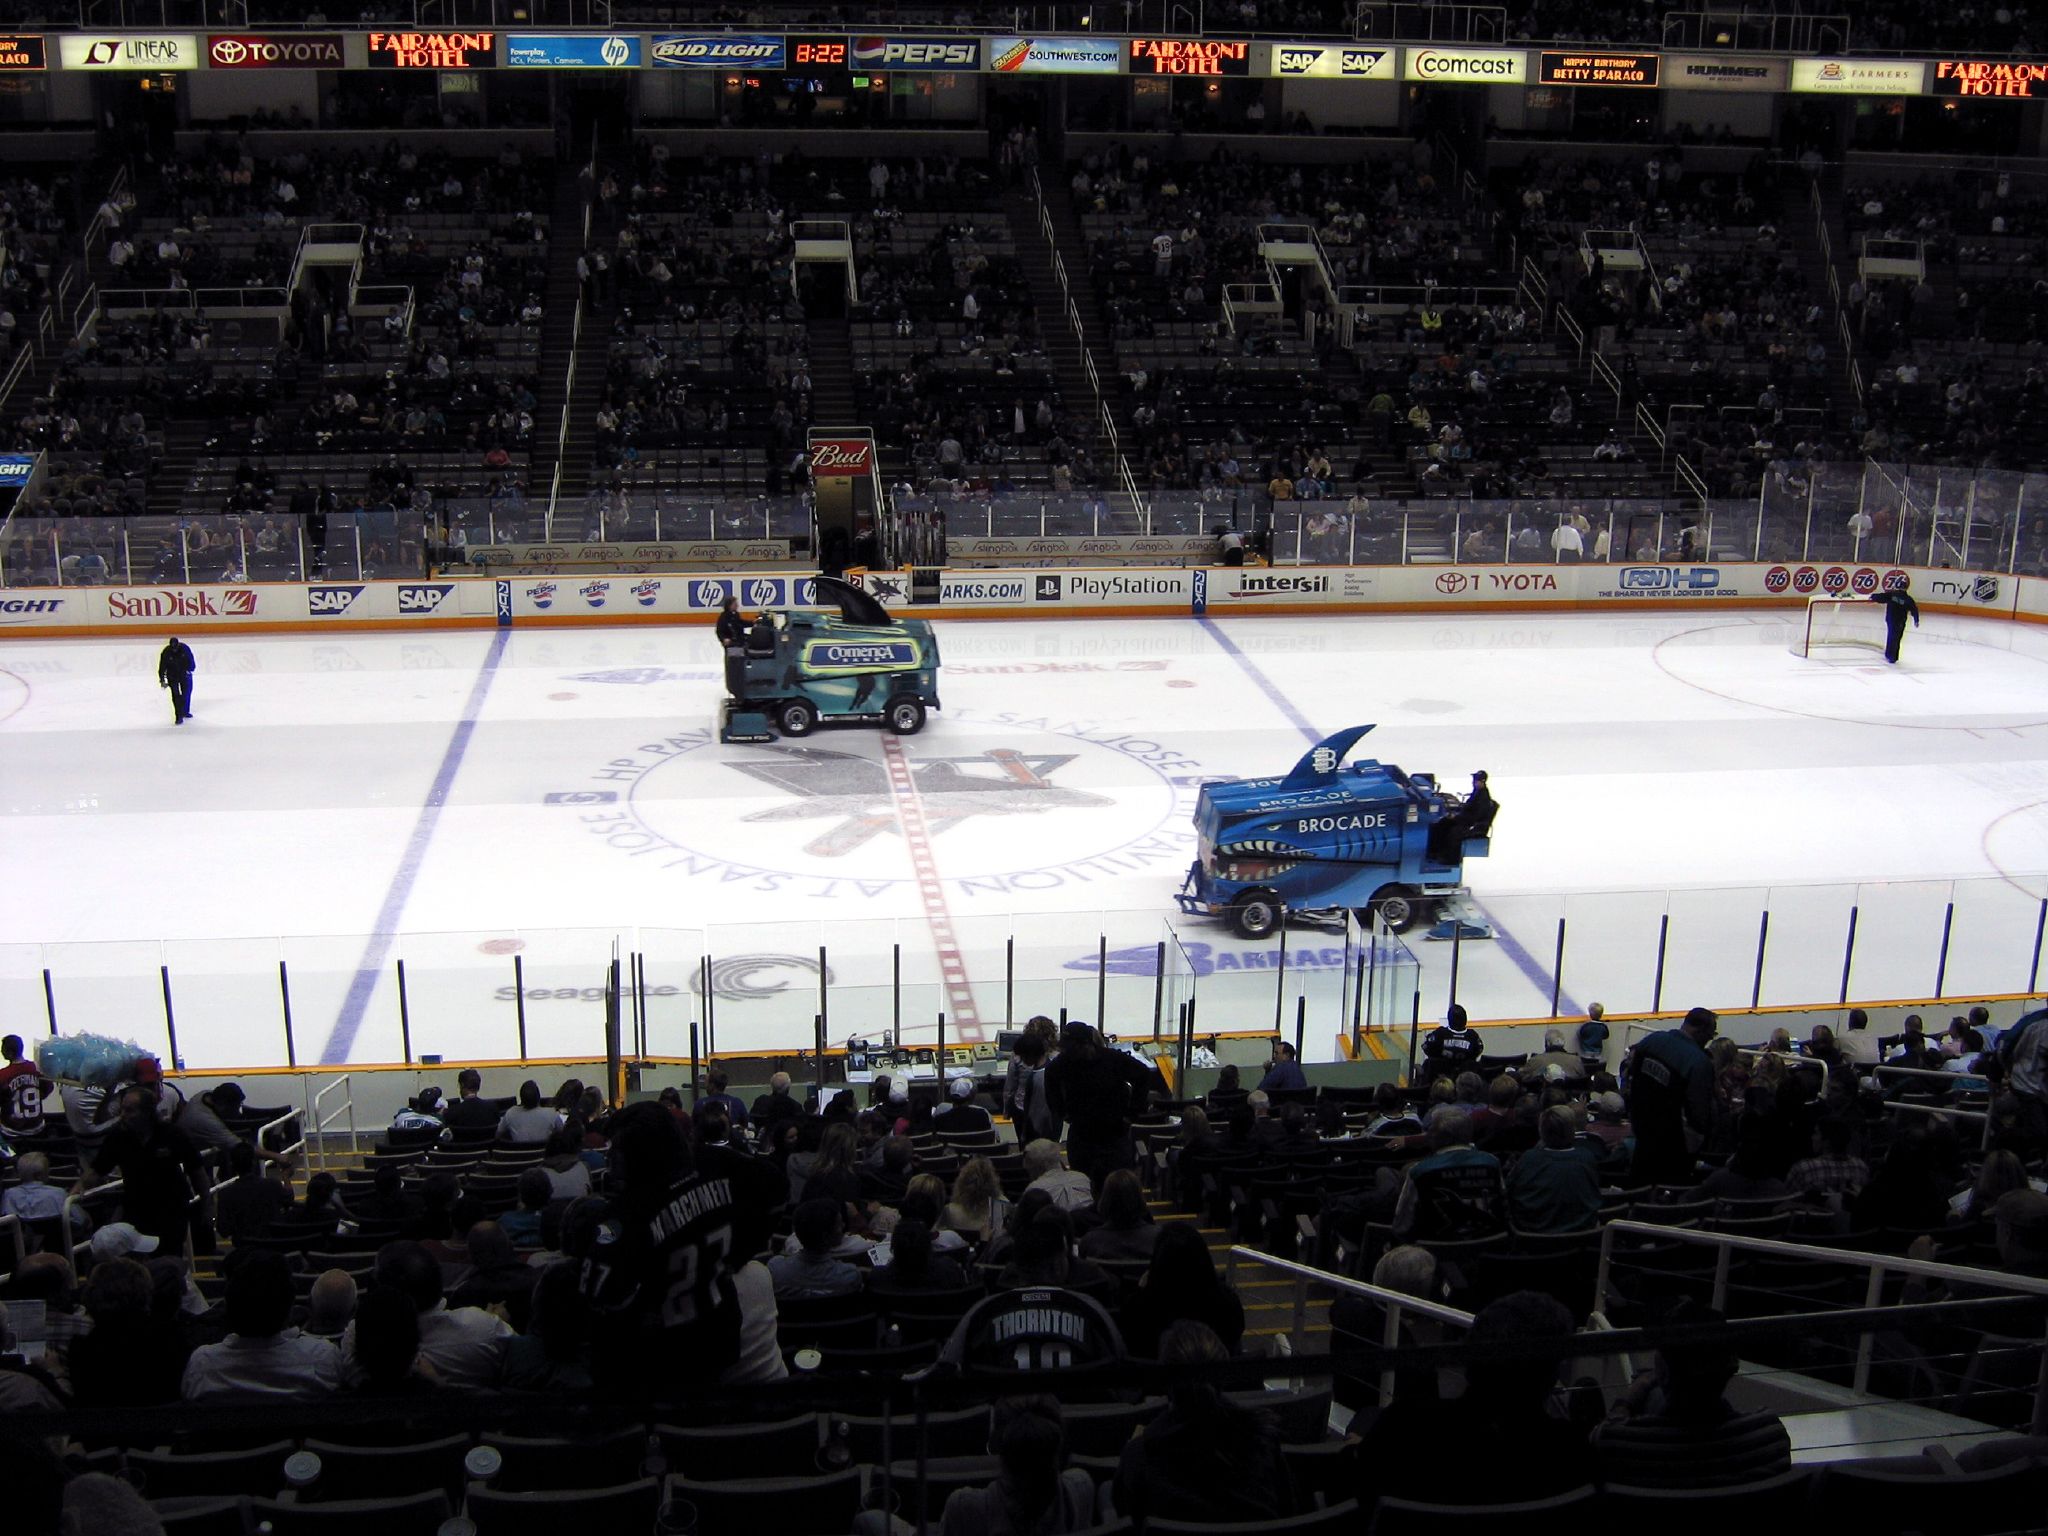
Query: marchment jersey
[1042,1329]
[660,1286]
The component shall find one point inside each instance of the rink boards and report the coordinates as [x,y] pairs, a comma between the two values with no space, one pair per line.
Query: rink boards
[476,602]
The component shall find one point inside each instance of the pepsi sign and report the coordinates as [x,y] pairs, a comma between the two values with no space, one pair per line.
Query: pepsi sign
[885,53]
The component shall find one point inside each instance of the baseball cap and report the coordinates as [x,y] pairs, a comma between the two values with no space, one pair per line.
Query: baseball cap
[963,1088]
[2022,1214]
[118,1239]
[1611,1104]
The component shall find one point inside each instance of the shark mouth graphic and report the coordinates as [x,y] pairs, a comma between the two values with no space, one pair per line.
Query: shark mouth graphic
[1256,859]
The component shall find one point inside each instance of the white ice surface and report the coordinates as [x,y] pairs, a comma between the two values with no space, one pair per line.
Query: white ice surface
[1677,764]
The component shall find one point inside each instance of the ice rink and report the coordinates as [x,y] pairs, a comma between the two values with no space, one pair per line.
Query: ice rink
[457,800]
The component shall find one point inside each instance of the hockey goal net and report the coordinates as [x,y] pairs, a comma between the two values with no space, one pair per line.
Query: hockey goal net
[1835,622]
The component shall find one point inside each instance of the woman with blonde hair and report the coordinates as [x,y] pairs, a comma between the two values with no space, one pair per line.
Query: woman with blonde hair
[976,1189]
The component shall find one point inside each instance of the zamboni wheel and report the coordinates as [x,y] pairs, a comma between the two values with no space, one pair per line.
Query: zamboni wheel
[797,718]
[905,717]
[1255,914]
[1400,906]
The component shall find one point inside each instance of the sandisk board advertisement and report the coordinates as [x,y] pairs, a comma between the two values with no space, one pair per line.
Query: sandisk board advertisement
[891,53]
[244,50]
[1055,56]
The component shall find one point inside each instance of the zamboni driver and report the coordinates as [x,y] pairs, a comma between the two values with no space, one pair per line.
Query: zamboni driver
[1463,819]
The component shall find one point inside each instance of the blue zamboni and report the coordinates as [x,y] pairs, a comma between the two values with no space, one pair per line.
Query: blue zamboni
[1330,837]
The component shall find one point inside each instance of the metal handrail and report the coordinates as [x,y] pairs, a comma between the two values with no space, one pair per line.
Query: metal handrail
[318,1122]
[1878,1265]
[72,1200]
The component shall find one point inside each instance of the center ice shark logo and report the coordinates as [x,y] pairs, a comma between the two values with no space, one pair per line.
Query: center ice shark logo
[853,791]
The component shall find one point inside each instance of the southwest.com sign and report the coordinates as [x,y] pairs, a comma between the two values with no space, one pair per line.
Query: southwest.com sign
[530,50]
[1055,56]
[1468,66]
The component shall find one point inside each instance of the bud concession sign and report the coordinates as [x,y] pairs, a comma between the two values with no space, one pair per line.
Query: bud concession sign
[240,50]
[841,456]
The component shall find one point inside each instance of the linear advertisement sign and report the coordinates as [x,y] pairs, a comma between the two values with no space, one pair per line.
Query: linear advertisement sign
[1335,61]
[1629,69]
[20,54]
[433,50]
[1055,56]
[1189,56]
[719,51]
[2015,80]
[1469,66]
[578,50]
[1752,72]
[247,50]
[1859,77]
[132,52]
[889,53]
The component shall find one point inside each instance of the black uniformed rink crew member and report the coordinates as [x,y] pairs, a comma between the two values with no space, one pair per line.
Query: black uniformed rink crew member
[1898,607]
[174,669]
[732,624]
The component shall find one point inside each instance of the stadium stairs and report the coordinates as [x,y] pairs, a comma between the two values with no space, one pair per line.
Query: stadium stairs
[557,341]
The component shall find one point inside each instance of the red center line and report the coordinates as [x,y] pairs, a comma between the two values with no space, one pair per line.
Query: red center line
[963,1021]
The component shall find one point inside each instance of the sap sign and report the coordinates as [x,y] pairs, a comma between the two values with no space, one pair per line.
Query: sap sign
[527,50]
[331,602]
[1291,61]
[427,597]
[735,52]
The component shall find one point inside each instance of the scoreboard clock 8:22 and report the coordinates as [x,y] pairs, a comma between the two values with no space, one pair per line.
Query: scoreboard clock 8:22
[817,53]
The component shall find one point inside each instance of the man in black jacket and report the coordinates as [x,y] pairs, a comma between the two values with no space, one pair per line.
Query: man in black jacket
[960,1113]
[1096,1091]
[174,669]
[1898,607]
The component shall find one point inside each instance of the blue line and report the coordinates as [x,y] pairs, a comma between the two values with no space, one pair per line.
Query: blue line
[1274,693]
[343,1037]
[1526,963]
